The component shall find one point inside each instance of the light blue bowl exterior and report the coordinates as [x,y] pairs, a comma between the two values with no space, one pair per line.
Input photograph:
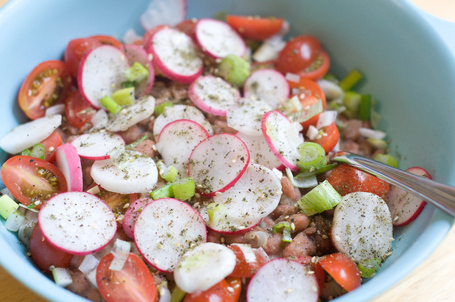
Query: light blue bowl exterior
[409,70]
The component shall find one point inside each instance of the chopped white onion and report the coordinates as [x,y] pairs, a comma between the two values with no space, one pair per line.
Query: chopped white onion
[92,278]
[264,255]
[292,77]
[25,231]
[14,221]
[89,264]
[250,256]
[331,90]
[120,251]
[260,237]
[326,118]
[56,109]
[370,133]
[269,49]
[94,190]
[62,277]
[165,294]
[307,182]
[312,132]
[99,119]
[31,215]
[278,173]
[130,36]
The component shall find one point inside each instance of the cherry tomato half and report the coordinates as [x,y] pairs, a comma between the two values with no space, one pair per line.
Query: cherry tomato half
[108,40]
[133,282]
[74,52]
[255,28]
[329,138]
[227,290]
[116,201]
[342,269]
[50,144]
[78,111]
[44,254]
[346,179]
[243,268]
[46,85]
[31,179]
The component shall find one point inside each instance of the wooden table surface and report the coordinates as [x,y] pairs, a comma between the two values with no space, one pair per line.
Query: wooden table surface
[431,281]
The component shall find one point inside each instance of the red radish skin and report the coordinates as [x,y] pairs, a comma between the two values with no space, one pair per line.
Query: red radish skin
[268,85]
[405,207]
[101,73]
[131,215]
[223,153]
[213,95]
[176,228]
[136,53]
[282,138]
[97,145]
[175,55]
[78,223]
[177,141]
[283,280]
[218,39]
[69,163]
[169,12]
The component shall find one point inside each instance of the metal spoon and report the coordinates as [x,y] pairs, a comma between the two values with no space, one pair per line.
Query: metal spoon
[440,195]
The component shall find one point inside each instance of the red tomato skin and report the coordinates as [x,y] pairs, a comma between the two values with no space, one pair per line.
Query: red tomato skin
[309,87]
[108,40]
[15,182]
[329,141]
[342,269]
[255,28]
[291,59]
[44,254]
[50,145]
[32,105]
[346,179]
[218,292]
[242,268]
[78,111]
[75,50]
[133,282]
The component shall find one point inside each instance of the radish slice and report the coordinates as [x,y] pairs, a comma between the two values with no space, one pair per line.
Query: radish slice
[69,163]
[131,215]
[204,266]
[218,39]
[213,95]
[97,145]
[283,280]
[138,176]
[282,137]
[165,230]
[136,53]
[217,163]
[405,207]
[133,114]
[259,151]
[29,134]
[78,223]
[268,85]
[177,141]
[175,55]
[180,112]
[170,12]
[245,116]
[362,227]
[101,72]
[100,119]
[254,196]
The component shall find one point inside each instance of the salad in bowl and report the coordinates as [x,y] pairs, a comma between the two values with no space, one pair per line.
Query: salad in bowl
[193,161]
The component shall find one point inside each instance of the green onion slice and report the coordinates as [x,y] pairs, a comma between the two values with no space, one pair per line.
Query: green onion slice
[312,156]
[368,268]
[160,108]
[177,294]
[124,96]
[386,159]
[322,198]
[110,105]
[365,107]
[136,143]
[137,73]
[163,192]
[234,70]
[167,173]
[351,80]
[217,213]
[377,143]
[184,188]
[37,151]
[302,182]
[286,227]
[7,206]
[351,101]
[316,171]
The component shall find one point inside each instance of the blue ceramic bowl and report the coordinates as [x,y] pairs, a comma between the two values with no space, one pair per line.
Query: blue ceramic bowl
[408,67]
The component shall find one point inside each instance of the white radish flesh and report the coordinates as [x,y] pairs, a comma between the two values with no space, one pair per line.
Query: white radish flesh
[138,174]
[246,115]
[254,196]
[180,112]
[218,39]
[268,85]
[170,12]
[362,227]
[69,163]
[97,145]
[101,71]
[77,222]
[135,53]
[100,119]
[133,114]
[204,266]
[131,215]
[217,163]
[282,137]
[165,230]
[260,152]
[175,55]
[177,141]
[29,134]
[213,95]
[405,207]
[283,280]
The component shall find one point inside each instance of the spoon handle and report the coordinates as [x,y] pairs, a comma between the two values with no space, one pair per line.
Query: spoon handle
[440,195]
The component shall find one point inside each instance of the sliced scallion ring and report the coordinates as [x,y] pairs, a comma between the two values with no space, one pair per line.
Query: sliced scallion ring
[286,227]
[368,268]
[322,198]
[312,156]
